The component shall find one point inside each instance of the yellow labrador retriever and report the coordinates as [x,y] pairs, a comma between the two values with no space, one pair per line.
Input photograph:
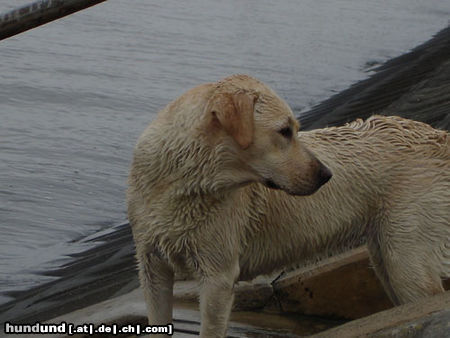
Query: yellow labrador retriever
[223,186]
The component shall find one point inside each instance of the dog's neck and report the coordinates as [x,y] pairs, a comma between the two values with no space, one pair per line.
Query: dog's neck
[195,169]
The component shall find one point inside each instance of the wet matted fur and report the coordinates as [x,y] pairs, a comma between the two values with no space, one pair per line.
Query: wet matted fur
[223,186]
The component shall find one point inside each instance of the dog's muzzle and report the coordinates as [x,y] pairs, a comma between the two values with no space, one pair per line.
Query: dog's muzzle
[323,176]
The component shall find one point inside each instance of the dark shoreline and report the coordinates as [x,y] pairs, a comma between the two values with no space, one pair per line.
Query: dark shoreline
[415,85]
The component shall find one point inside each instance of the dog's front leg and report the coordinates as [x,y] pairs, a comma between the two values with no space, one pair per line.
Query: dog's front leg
[216,300]
[157,280]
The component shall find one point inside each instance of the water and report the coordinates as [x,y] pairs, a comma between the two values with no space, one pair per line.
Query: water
[76,93]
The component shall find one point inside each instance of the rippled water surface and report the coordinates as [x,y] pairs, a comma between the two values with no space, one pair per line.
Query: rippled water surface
[76,93]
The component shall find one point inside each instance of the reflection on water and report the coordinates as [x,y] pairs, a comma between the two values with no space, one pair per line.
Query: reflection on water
[75,94]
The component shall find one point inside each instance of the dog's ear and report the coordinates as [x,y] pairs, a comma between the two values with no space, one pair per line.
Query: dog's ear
[234,113]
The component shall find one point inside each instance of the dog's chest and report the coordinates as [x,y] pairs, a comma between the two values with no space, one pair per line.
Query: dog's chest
[190,212]
[196,228]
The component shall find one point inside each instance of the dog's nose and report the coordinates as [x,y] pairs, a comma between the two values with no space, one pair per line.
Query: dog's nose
[324,174]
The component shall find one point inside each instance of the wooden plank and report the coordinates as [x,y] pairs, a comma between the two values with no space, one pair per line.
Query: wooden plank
[425,318]
[39,13]
[343,286]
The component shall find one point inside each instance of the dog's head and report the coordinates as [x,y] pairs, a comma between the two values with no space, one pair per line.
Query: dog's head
[260,131]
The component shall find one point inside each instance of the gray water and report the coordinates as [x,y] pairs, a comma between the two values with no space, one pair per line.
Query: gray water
[75,95]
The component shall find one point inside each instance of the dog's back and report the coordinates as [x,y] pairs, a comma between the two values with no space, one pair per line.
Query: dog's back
[391,187]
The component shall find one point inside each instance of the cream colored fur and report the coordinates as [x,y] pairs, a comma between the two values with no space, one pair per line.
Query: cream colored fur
[197,200]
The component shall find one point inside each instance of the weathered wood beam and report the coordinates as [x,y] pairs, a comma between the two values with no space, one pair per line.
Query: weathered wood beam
[39,13]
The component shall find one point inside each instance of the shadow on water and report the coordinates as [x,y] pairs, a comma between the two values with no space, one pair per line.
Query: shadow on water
[415,85]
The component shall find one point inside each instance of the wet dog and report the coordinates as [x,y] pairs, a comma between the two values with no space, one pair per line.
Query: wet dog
[223,186]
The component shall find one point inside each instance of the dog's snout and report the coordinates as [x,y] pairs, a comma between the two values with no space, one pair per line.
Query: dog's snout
[324,174]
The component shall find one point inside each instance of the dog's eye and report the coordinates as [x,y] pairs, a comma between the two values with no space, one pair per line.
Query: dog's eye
[286,132]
